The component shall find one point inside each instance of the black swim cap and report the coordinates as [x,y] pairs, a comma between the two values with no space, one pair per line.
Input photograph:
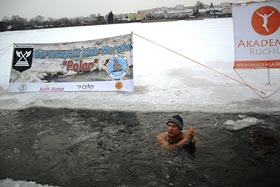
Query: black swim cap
[178,120]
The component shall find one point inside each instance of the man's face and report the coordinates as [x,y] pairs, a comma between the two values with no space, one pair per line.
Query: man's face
[173,130]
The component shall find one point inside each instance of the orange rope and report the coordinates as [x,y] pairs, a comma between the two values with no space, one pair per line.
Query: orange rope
[272,94]
[258,92]
[243,82]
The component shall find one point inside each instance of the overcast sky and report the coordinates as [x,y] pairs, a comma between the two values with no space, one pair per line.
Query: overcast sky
[75,8]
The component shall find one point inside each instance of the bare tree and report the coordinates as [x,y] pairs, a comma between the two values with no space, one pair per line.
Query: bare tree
[199,5]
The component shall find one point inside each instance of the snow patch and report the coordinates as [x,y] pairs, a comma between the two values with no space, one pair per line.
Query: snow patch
[242,123]
[12,183]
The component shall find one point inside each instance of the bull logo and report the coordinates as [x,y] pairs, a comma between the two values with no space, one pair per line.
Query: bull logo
[22,59]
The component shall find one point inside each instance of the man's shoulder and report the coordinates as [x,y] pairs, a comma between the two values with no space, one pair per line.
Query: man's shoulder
[161,136]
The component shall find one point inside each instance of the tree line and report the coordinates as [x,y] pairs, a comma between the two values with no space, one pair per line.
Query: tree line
[17,22]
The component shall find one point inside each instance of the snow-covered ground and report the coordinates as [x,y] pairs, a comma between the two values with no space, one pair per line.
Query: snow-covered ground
[163,80]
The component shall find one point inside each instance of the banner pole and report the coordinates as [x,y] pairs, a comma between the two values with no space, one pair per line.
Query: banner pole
[268,76]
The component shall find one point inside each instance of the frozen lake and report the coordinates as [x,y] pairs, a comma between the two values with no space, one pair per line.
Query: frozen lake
[164,81]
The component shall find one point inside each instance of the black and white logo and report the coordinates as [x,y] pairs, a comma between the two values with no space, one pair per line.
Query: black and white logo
[22,59]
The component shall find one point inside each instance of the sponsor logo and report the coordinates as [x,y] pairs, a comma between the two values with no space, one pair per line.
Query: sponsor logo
[51,89]
[22,87]
[265,20]
[22,59]
[119,85]
[85,86]
[117,67]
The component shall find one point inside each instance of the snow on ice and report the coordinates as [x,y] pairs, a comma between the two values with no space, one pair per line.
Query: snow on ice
[12,183]
[163,80]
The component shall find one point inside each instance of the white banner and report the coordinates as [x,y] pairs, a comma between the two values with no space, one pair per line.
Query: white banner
[257,35]
[97,65]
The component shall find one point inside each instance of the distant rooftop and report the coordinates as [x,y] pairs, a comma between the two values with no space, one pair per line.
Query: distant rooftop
[247,1]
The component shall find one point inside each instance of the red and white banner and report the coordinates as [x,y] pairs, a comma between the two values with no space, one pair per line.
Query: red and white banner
[257,35]
[97,65]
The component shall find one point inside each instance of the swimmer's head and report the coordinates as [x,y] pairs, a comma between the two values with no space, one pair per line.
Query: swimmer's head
[177,120]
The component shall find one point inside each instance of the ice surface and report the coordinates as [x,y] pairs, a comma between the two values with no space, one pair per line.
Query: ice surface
[163,80]
[12,183]
[241,124]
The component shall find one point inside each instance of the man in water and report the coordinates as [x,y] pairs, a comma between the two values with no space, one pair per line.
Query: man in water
[174,137]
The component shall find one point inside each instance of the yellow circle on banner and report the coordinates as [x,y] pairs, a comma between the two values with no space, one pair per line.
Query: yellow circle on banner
[118,85]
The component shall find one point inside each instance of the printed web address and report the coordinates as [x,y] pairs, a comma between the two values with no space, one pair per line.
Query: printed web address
[257,64]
